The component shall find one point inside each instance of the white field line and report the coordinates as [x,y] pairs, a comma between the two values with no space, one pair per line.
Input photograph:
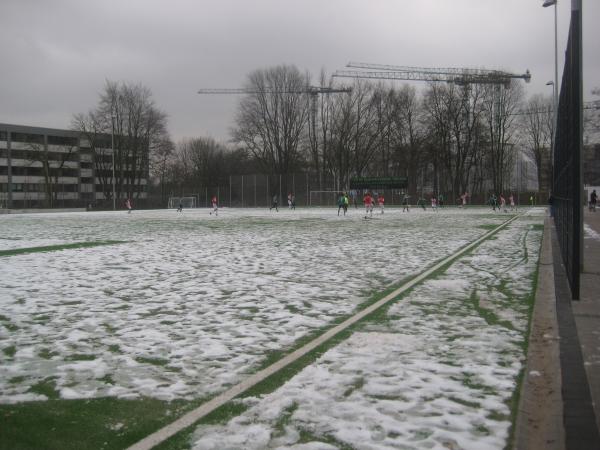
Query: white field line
[193,416]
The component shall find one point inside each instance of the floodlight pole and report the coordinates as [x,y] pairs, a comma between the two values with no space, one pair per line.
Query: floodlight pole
[555,63]
[112,144]
[555,83]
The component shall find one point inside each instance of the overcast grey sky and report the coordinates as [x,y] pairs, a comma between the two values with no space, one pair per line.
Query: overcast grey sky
[56,54]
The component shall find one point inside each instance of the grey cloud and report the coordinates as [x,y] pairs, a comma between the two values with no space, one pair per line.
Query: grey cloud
[57,55]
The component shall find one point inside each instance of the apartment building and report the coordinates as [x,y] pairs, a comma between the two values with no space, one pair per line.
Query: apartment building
[46,168]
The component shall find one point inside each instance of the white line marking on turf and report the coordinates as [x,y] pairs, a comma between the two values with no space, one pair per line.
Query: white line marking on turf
[193,416]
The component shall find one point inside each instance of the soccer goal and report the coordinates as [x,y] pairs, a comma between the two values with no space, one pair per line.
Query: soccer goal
[186,202]
[324,198]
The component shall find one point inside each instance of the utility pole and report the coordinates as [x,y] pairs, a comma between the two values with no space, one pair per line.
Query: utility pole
[112,144]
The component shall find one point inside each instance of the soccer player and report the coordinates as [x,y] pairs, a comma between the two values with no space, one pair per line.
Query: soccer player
[180,209]
[128,205]
[433,203]
[405,203]
[346,202]
[381,202]
[502,203]
[493,201]
[340,203]
[274,204]
[511,200]
[215,206]
[368,201]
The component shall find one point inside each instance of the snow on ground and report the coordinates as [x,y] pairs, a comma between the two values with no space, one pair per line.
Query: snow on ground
[438,374]
[590,233]
[191,303]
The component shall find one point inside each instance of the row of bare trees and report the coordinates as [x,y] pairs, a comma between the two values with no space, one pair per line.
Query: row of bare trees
[455,138]
[451,138]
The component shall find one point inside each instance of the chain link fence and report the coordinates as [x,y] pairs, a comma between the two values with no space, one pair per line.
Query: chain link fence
[567,197]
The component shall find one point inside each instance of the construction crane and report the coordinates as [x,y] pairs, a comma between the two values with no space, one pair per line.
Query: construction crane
[312,91]
[458,76]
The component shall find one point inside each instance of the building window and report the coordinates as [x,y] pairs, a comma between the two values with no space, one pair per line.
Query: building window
[62,140]
[28,138]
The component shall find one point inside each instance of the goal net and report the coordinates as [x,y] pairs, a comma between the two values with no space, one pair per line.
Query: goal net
[186,202]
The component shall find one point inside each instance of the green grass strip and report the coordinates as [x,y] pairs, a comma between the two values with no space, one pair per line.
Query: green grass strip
[54,248]
[100,423]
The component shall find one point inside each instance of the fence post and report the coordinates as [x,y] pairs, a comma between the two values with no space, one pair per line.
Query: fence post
[307,191]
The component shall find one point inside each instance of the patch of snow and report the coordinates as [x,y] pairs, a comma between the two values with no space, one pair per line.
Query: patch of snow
[590,233]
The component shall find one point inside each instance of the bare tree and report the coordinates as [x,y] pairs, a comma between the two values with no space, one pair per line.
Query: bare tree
[271,121]
[161,161]
[354,133]
[500,105]
[52,166]
[537,123]
[93,127]
[408,137]
[128,112]
[453,117]
[323,136]
[139,128]
[384,103]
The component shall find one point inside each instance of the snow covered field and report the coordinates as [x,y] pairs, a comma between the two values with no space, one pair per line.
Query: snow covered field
[438,374]
[190,304]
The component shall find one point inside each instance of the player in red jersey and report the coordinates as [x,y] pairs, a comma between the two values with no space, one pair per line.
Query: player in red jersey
[368,201]
[215,206]
[381,202]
